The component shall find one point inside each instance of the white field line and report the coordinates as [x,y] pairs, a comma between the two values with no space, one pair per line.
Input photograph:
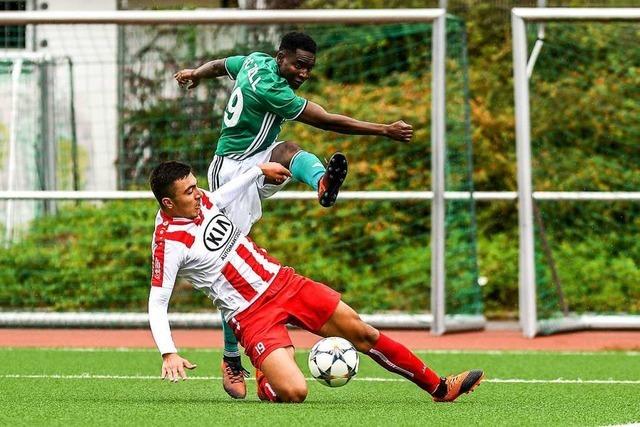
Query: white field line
[367,379]
[214,350]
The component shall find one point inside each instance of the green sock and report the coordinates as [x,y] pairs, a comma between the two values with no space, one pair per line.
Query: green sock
[230,341]
[307,168]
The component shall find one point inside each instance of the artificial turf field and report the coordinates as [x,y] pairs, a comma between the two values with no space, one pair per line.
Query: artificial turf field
[117,387]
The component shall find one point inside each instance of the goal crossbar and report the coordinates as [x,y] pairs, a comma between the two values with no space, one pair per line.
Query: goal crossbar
[344,195]
[542,14]
[223,16]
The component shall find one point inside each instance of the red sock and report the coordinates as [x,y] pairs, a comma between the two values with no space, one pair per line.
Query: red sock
[265,392]
[397,358]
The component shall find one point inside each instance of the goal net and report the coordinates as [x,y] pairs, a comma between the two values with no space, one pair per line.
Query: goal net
[38,148]
[373,246]
[583,91]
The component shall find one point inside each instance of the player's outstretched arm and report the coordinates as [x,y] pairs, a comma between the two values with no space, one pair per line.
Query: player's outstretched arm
[234,188]
[316,116]
[173,367]
[275,171]
[191,77]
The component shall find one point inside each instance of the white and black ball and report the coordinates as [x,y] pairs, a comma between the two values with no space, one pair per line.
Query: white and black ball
[333,361]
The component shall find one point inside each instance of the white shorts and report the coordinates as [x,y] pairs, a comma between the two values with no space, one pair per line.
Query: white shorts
[246,209]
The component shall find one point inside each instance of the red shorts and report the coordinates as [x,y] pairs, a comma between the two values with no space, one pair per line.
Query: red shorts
[290,298]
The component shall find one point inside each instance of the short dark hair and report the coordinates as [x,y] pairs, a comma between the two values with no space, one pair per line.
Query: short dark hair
[296,40]
[164,175]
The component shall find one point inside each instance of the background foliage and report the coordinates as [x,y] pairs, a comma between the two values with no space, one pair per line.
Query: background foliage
[585,99]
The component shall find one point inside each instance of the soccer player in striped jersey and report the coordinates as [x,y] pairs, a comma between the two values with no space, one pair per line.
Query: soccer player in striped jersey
[262,98]
[258,296]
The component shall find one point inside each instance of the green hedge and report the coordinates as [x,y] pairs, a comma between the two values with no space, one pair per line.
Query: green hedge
[97,258]
[89,257]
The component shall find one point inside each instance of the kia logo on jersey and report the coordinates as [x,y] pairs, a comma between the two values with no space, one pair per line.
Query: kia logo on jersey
[217,232]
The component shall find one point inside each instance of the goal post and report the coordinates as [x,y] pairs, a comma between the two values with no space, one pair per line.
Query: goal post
[540,285]
[40,125]
[364,197]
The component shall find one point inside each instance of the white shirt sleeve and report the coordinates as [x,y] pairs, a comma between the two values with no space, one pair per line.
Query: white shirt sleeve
[234,188]
[167,257]
[159,319]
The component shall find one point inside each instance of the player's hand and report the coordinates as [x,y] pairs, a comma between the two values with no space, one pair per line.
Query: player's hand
[275,172]
[400,131]
[173,367]
[187,77]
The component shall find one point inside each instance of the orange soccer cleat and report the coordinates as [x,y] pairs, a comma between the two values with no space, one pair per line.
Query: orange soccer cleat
[233,375]
[454,385]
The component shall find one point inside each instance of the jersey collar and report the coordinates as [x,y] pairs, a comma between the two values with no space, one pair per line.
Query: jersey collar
[181,221]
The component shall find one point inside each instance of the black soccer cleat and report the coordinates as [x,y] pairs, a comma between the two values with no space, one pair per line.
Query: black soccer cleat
[329,184]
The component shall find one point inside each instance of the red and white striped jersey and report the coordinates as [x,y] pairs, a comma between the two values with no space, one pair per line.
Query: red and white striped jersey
[213,255]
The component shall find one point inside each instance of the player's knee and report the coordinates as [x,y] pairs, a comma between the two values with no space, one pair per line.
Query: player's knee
[293,390]
[370,336]
[284,152]
[366,337]
[293,393]
[290,147]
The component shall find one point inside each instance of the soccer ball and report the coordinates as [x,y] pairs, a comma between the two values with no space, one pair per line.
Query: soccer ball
[333,361]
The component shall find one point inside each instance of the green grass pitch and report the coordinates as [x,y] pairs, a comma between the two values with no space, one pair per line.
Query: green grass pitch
[111,387]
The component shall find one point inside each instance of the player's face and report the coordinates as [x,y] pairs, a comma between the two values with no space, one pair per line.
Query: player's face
[296,66]
[186,202]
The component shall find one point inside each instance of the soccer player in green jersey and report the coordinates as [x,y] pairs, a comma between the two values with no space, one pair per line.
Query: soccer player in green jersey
[262,99]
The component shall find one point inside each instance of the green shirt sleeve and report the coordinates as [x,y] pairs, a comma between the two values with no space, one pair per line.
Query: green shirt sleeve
[233,64]
[278,97]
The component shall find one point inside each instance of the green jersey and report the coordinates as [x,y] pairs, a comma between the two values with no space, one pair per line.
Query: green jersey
[260,101]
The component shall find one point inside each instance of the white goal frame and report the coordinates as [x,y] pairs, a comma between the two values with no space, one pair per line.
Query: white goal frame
[438,321]
[522,67]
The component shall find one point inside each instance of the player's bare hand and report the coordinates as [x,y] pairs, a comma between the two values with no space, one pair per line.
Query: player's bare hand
[400,131]
[275,172]
[187,77]
[173,367]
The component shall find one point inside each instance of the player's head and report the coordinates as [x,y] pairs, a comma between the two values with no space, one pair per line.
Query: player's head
[175,188]
[296,57]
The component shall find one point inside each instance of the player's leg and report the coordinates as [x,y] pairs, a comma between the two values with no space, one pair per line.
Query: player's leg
[395,357]
[306,167]
[319,309]
[280,379]
[262,331]
[233,374]
[246,209]
[390,354]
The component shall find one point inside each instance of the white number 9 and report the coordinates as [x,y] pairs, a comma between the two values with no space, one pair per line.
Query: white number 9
[234,108]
